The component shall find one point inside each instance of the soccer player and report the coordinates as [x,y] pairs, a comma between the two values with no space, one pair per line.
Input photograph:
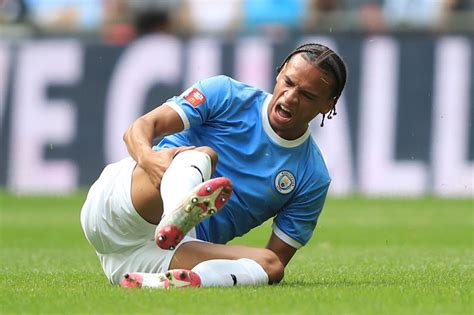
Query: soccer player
[229,148]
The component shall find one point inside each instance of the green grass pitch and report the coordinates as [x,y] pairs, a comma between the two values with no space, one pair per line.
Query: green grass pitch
[405,256]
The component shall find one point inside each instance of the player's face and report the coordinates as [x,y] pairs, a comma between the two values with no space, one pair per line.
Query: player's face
[302,91]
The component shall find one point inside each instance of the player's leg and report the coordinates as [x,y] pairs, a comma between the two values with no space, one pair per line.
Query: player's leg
[205,264]
[225,265]
[186,171]
[203,201]
[112,223]
[181,203]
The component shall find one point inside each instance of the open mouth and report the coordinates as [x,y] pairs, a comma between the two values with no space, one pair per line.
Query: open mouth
[283,112]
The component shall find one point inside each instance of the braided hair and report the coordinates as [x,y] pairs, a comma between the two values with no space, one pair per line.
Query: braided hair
[326,59]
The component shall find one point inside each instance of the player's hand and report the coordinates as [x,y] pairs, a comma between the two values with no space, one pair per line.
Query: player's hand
[157,162]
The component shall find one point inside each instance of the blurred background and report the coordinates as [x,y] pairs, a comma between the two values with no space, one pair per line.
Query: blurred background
[75,73]
[122,21]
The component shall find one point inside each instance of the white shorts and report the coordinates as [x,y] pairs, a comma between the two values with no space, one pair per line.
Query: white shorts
[123,240]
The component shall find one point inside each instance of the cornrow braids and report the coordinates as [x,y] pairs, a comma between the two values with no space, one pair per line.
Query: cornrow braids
[326,59]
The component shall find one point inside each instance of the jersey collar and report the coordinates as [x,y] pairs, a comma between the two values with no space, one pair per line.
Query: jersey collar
[273,135]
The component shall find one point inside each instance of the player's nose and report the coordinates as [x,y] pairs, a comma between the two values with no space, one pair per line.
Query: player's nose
[291,97]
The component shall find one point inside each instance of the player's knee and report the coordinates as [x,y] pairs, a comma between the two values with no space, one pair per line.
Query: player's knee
[212,154]
[272,266]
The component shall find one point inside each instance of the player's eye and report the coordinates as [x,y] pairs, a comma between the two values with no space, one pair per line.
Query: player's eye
[309,96]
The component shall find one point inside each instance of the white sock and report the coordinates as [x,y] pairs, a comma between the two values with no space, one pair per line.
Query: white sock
[227,273]
[188,169]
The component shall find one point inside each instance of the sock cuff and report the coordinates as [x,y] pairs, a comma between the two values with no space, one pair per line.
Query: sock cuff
[197,159]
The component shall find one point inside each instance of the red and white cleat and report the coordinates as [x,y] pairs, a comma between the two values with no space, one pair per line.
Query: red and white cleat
[132,280]
[205,200]
[176,278]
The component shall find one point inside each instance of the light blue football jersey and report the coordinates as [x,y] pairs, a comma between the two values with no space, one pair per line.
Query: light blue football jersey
[272,177]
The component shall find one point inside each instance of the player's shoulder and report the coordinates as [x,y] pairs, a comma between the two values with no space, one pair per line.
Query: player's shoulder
[226,90]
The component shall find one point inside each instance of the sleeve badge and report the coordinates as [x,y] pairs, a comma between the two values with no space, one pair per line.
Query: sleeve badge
[194,96]
[285,182]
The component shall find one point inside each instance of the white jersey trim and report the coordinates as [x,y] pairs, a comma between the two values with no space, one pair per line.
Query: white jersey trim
[273,135]
[285,238]
[180,112]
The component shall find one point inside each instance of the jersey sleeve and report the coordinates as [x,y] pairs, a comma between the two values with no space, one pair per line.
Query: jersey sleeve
[203,101]
[295,224]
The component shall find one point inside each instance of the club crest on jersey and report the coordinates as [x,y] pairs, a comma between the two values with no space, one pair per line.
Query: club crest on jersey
[285,182]
[194,96]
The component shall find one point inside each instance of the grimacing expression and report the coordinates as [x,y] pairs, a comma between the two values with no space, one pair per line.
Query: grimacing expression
[302,91]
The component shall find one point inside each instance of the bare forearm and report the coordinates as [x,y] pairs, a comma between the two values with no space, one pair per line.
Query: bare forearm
[139,139]
[160,122]
[284,251]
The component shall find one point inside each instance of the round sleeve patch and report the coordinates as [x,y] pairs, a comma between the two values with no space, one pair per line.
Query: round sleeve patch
[285,182]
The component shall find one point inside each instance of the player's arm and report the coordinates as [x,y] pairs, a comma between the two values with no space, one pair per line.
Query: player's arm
[139,137]
[191,108]
[296,222]
[284,251]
